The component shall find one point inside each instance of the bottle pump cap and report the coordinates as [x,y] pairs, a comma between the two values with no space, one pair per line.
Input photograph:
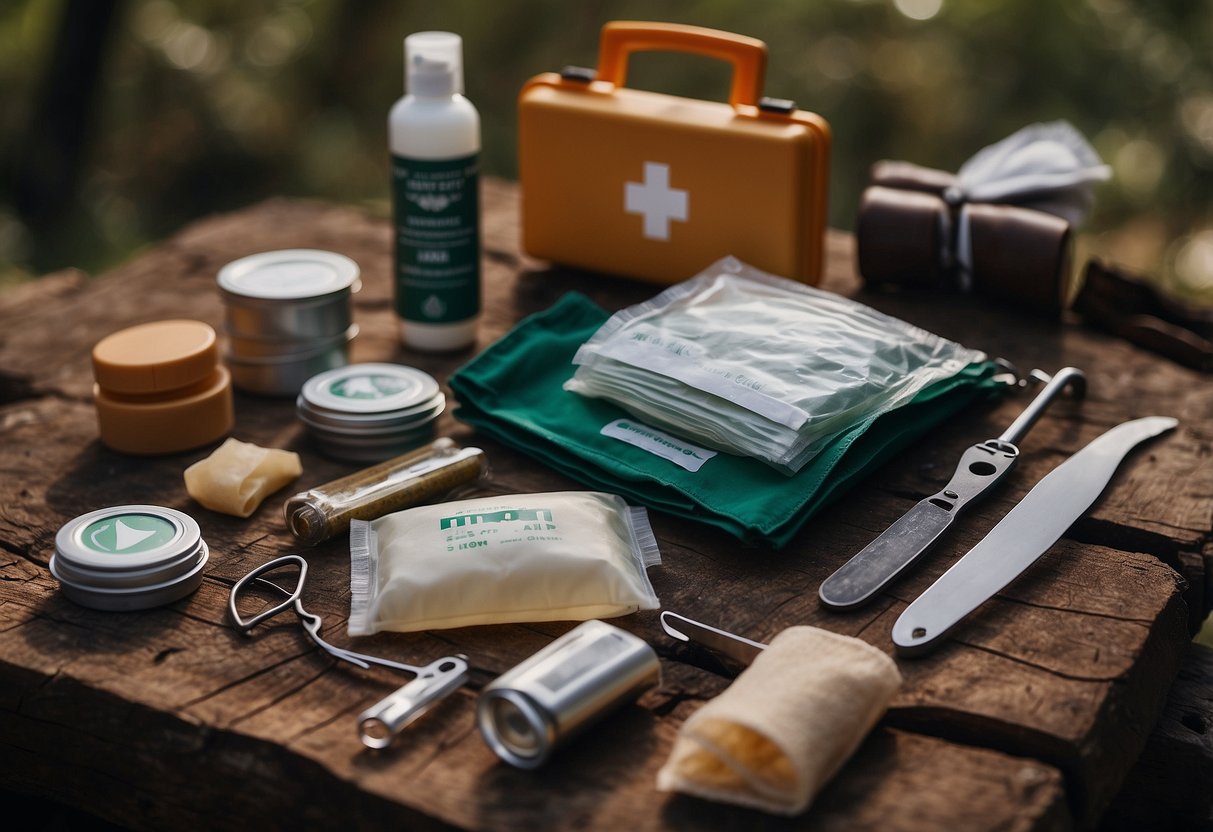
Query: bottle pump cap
[433,64]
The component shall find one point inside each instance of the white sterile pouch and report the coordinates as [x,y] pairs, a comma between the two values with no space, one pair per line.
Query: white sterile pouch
[557,556]
[775,368]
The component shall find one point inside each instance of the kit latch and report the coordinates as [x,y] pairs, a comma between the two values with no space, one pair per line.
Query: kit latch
[579,74]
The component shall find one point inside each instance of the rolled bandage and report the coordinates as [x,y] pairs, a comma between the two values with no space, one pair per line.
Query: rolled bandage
[239,475]
[786,725]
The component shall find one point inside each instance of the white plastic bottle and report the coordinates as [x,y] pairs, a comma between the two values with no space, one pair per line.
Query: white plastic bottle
[435,143]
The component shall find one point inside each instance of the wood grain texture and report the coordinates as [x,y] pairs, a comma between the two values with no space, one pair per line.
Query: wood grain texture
[1028,719]
[1168,788]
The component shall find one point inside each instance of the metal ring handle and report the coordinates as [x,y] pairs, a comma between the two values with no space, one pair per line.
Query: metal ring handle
[245,626]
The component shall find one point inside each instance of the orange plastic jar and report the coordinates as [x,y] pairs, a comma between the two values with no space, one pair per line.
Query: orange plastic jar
[161,389]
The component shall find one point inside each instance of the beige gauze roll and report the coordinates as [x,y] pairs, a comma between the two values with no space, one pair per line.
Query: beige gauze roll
[786,725]
[239,475]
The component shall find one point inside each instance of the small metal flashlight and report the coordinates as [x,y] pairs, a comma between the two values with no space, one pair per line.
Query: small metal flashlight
[532,709]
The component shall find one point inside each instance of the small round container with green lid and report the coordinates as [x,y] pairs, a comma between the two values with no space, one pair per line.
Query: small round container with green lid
[129,557]
[370,412]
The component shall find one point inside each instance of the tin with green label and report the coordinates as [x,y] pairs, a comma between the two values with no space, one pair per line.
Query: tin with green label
[129,557]
[370,412]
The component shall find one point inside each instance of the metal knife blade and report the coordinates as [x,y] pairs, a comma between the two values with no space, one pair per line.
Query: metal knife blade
[916,531]
[1027,532]
[981,467]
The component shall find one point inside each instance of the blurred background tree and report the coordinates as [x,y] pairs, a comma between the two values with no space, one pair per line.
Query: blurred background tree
[121,120]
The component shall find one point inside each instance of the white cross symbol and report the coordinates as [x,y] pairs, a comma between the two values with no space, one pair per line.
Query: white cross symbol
[656,201]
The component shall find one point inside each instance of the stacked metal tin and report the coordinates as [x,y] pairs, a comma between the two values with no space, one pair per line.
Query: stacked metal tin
[129,557]
[370,412]
[288,317]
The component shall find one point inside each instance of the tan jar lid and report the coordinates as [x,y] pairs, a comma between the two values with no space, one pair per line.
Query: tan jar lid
[156,357]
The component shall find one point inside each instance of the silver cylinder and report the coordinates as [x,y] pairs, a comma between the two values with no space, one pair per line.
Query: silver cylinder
[289,317]
[532,709]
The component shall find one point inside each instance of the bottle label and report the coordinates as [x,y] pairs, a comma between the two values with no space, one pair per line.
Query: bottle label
[436,209]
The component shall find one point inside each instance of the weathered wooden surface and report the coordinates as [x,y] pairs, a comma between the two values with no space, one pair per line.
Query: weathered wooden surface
[1029,718]
[1171,787]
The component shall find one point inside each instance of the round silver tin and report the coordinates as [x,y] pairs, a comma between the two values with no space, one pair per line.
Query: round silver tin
[288,317]
[370,412]
[293,293]
[284,348]
[281,368]
[129,557]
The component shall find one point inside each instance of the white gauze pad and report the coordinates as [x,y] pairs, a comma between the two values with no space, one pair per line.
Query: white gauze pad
[558,556]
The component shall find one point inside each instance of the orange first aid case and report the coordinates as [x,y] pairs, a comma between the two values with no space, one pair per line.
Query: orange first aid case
[658,186]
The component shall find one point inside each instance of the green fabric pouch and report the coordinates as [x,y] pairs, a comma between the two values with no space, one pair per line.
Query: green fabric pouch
[513,393]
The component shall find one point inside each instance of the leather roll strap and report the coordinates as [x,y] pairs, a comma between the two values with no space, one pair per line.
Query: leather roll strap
[907,230]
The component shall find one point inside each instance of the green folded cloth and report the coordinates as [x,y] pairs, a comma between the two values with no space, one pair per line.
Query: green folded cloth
[513,393]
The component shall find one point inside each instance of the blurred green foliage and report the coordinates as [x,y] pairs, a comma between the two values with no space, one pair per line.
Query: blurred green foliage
[208,105]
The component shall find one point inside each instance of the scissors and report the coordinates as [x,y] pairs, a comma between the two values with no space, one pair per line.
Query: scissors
[379,723]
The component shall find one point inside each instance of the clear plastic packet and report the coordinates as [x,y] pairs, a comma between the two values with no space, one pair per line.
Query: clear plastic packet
[555,556]
[775,368]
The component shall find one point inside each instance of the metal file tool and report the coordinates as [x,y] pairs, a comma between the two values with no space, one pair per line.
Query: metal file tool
[981,467]
[1027,532]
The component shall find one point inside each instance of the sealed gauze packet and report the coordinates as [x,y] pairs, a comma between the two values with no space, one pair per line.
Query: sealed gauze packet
[557,556]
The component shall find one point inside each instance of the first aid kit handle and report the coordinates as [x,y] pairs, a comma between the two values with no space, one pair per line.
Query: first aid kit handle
[747,55]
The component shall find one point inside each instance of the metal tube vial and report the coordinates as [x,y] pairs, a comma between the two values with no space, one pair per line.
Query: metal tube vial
[529,711]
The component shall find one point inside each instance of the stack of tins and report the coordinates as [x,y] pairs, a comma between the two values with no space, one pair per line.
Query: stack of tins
[288,317]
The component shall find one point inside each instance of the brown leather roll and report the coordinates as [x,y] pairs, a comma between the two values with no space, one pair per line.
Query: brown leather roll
[906,235]
[1020,256]
[899,237]
[907,176]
